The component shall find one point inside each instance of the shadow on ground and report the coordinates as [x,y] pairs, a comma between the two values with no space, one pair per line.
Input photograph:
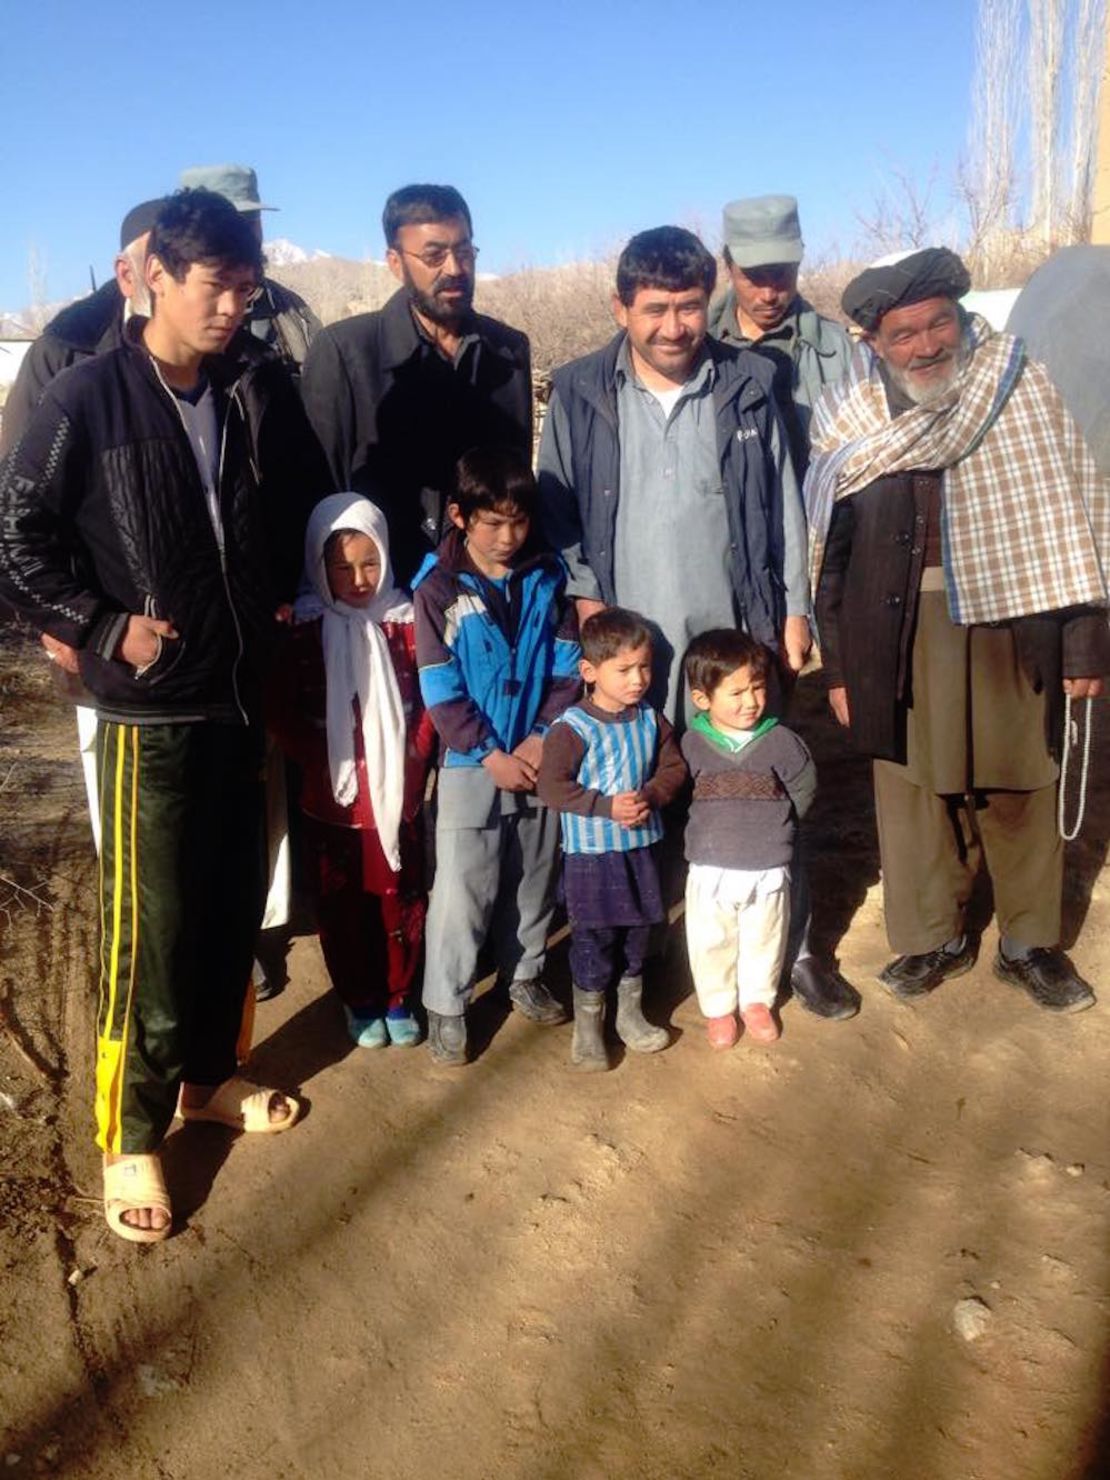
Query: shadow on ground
[740,1264]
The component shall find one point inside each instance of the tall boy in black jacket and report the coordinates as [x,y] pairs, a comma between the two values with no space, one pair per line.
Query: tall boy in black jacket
[152,517]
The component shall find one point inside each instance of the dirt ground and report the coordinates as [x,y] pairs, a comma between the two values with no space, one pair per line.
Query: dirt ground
[745,1264]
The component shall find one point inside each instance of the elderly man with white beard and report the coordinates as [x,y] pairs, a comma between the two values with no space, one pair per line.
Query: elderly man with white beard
[960,534]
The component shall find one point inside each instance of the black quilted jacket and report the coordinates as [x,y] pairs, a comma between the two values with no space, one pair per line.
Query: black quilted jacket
[102,513]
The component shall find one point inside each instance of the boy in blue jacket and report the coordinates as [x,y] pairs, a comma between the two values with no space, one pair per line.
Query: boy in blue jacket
[497,649]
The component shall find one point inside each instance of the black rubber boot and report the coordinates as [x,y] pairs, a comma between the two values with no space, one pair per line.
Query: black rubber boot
[587,1049]
[633,1029]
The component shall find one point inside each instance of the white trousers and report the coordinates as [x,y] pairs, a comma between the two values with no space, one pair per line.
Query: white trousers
[736,927]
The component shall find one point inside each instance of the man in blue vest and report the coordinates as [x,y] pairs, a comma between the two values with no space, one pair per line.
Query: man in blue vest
[667,486]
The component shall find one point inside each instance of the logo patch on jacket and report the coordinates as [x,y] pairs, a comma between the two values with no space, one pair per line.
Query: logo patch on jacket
[745,434]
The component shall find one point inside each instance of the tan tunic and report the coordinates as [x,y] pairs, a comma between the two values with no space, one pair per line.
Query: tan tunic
[975,722]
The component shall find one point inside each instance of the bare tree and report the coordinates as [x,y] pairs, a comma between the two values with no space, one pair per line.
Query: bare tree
[987,183]
[1027,185]
[1088,28]
[1064,86]
[36,284]
[901,215]
[1044,79]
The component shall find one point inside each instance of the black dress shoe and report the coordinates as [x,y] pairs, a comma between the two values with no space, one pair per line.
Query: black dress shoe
[907,977]
[822,990]
[1049,978]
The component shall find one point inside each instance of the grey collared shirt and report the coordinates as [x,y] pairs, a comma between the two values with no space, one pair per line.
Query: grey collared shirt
[671,546]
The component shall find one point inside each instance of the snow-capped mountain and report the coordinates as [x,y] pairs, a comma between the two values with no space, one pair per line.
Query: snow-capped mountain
[283,253]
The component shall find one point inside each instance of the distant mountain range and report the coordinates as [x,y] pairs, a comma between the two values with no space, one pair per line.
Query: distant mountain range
[281,253]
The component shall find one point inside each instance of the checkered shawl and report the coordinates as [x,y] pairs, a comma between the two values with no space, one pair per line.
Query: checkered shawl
[1025,517]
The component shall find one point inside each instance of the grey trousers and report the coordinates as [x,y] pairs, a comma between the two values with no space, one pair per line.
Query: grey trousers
[497,859]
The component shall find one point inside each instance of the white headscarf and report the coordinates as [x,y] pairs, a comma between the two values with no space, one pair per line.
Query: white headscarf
[358,665]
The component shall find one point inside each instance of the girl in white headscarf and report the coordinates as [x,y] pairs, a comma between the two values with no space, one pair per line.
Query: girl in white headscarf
[346,707]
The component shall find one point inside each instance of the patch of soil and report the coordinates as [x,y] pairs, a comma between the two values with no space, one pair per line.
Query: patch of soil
[746,1265]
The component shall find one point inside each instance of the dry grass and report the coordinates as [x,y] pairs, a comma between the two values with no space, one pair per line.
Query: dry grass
[564,310]
[1008,259]
[336,287]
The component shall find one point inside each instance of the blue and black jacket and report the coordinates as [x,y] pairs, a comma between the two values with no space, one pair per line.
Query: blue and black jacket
[498,660]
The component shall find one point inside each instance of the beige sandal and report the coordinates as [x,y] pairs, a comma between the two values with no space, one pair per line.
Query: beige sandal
[131,1183]
[244,1106]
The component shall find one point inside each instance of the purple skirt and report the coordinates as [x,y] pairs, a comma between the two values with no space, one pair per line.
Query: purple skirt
[610,889]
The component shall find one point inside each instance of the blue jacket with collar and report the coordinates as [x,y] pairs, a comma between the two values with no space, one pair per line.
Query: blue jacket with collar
[494,667]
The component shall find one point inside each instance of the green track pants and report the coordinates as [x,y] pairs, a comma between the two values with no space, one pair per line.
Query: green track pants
[181,895]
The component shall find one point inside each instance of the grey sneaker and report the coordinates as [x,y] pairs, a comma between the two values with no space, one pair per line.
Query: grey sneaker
[535,1002]
[447,1039]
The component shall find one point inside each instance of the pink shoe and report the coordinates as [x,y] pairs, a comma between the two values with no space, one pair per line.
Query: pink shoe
[760,1024]
[722,1032]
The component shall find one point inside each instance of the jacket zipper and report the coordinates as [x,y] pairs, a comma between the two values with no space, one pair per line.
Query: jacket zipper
[233,396]
[218,534]
[512,644]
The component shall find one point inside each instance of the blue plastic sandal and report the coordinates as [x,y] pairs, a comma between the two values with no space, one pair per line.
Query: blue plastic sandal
[402,1027]
[367,1032]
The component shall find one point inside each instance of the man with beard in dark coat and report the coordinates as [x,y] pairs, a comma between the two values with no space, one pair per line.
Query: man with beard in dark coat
[398,395]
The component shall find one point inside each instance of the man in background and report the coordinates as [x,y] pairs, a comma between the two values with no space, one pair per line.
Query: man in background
[88,327]
[91,326]
[280,318]
[763,311]
[398,395]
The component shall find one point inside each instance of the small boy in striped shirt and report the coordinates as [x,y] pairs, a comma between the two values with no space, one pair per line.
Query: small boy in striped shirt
[609,764]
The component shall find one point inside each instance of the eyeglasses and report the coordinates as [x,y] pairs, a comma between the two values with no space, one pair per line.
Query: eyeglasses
[464,254]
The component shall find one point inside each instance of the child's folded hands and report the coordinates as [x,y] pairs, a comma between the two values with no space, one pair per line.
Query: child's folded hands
[630,809]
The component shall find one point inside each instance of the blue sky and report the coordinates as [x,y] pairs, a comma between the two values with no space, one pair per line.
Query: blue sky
[568,125]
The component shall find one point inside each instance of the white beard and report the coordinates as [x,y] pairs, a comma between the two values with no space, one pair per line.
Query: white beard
[937,389]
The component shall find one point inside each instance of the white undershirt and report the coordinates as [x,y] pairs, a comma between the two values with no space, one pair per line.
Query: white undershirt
[667,399]
[203,429]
